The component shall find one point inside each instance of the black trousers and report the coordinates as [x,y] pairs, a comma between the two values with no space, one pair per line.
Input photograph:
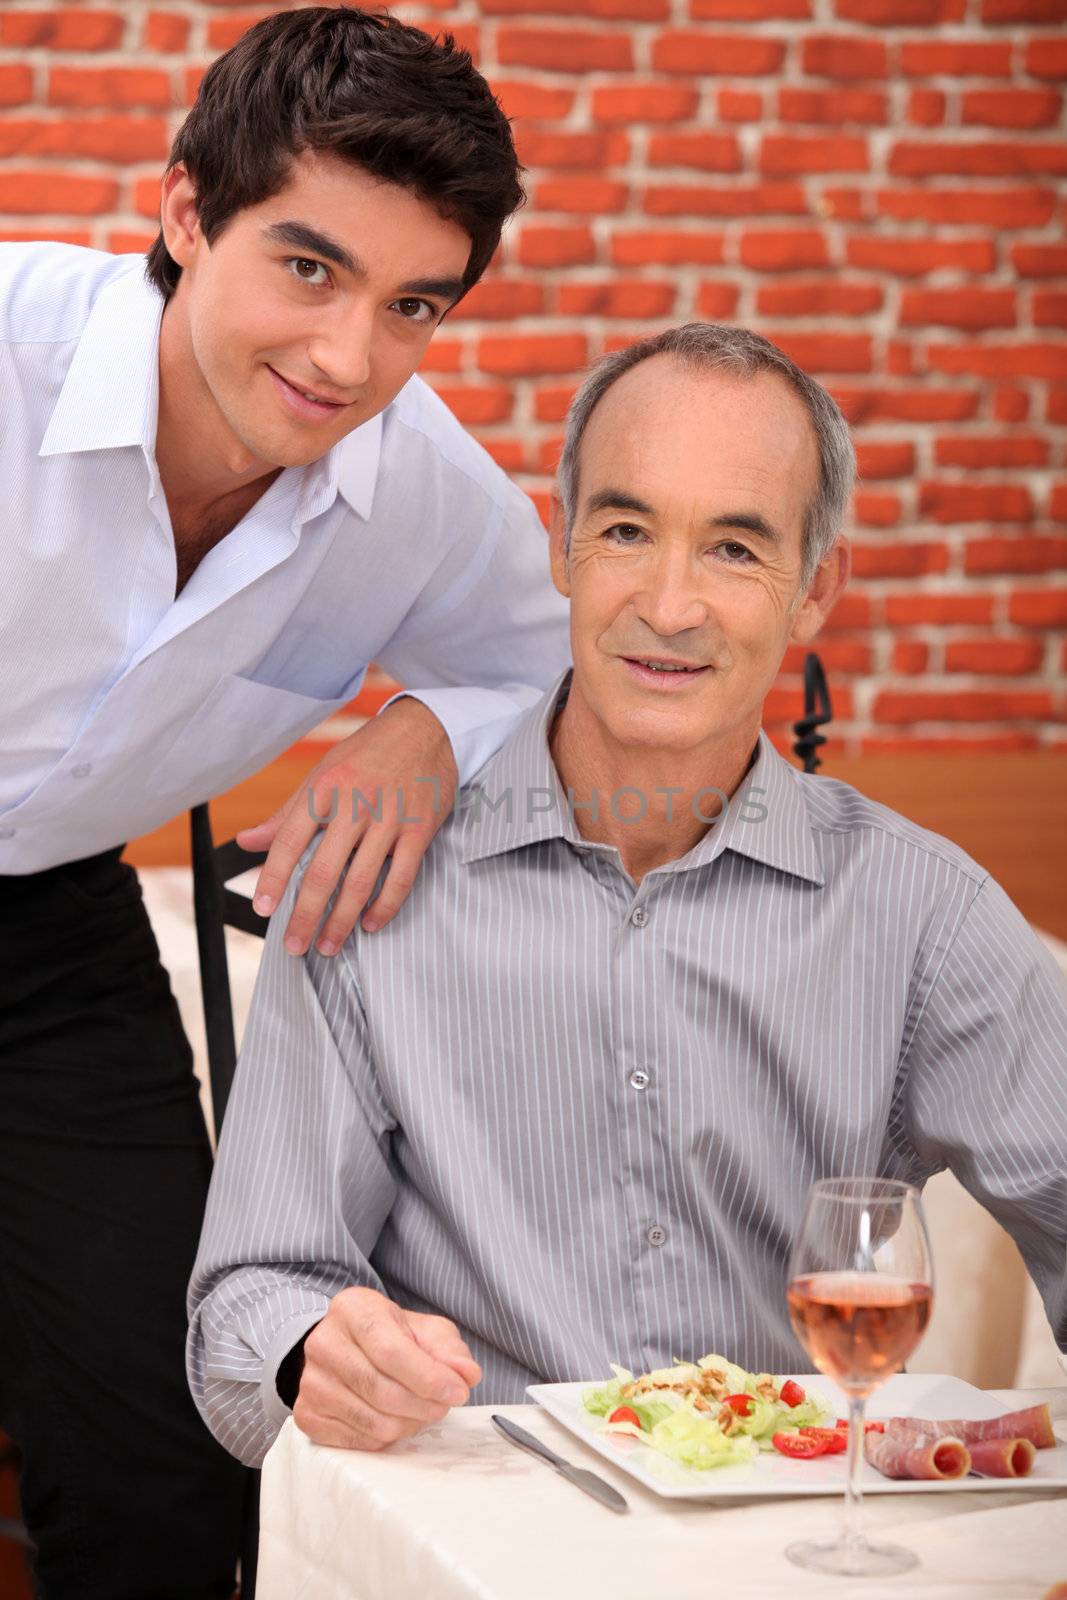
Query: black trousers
[104,1166]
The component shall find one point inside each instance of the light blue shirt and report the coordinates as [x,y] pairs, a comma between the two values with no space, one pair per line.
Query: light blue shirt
[122,705]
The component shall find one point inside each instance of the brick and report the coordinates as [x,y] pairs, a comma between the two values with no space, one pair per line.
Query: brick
[118,139]
[955,744]
[638,102]
[1029,207]
[907,405]
[927,107]
[129,241]
[834,106]
[564,50]
[1039,260]
[25,193]
[476,405]
[785,705]
[603,10]
[1050,308]
[1056,403]
[165,31]
[1026,553]
[192,78]
[443,355]
[651,247]
[1013,11]
[916,609]
[717,301]
[626,298]
[898,560]
[146,197]
[975,502]
[1038,608]
[826,352]
[1047,57]
[224,32]
[526,355]
[500,298]
[818,297]
[980,450]
[843,204]
[54,235]
[548,454]
[784,154]
[843,56]
[588,152]
[977,705]
[958,308]
[739,105]
[940,58]
[1010,404]
[853,610]
[510,454]
[908,257]
[875,510]
[909,657]
[750,200]
[728,55]
[551,403]
[749,10]
[851,656]
[536,101]
[978,158]
[1011,108]
[885,459]
[1009,658]
[109,88]
[582,196]
[61,28]
[16,84]
[783,249]
[1058,502]
[900,13]
[711,152]
[545,246]
[1030,360]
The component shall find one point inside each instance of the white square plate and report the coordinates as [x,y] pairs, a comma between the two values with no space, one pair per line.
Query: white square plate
[907,1395]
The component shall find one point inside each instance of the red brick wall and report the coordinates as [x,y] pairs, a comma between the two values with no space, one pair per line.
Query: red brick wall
[876,184]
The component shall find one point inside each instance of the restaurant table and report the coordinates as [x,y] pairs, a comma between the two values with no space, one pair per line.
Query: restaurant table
[457,1513]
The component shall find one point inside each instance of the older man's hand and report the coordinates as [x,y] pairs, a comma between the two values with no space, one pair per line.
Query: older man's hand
[374,1373]
[385,789]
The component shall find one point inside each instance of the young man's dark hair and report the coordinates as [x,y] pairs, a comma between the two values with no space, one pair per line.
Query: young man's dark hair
[406,108]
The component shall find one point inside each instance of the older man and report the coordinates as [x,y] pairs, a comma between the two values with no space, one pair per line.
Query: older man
[652,983]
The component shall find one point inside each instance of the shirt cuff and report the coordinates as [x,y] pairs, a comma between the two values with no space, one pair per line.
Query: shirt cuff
[477,721]
[282,1341]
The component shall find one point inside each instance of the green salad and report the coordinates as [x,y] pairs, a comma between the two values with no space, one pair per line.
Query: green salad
[708,1413]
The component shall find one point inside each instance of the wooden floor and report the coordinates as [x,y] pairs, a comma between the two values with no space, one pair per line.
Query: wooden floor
[1007,810]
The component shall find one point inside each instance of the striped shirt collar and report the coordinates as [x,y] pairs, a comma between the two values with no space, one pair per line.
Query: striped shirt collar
[517,799]
[110,398]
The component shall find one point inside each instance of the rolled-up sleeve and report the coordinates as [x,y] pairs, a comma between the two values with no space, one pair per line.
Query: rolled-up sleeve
[300,1192]
[985,1079]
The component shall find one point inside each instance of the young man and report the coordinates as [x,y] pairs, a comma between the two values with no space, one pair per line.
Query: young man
[225,493]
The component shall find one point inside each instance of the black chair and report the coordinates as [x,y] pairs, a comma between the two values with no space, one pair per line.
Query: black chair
[216,907]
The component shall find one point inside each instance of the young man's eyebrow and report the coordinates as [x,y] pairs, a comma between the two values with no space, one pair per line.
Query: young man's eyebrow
[298,236]
[450,289]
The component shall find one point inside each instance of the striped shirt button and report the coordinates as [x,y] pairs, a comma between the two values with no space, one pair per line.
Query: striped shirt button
[656,1235]
[640,1079]
[639,916]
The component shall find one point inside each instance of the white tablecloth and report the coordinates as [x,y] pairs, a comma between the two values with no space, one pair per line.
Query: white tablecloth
[459,1514]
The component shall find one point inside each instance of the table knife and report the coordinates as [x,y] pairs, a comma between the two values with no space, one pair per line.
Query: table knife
[577,1475]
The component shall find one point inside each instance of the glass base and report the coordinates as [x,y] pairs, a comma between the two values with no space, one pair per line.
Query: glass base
[852,1559]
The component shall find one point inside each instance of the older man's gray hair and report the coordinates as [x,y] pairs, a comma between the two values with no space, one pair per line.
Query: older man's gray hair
[714,347]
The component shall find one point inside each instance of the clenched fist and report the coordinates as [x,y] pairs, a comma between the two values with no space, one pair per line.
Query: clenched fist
[374,1373]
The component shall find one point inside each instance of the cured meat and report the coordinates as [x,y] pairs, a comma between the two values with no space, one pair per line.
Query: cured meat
[1002,1458]
[917,1455]
[1034,1424]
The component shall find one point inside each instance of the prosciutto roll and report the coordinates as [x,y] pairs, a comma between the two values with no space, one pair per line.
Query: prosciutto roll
[917,1455]
[1002,1458]
[1034,1424]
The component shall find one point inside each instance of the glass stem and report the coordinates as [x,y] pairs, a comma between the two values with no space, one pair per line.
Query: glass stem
[853,1533]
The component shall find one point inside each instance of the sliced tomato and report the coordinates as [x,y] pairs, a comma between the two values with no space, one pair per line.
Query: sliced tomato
[741,1403]
[791,1393]
[799,1445]
[625,1414]
[868,1427]
[835,1439]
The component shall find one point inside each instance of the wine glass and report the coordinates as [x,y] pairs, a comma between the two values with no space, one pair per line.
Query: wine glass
[860,1292]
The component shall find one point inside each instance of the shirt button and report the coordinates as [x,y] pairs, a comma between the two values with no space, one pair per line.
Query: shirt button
[82,770]
[656,1235]
[7,833]
[639,916]
[640,1079]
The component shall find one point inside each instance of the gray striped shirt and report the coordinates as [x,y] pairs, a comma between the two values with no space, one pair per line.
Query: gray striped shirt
[580,1118]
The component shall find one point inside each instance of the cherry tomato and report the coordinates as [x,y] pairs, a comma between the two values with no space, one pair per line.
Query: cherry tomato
[792,1394]
[741,1403]
[800,1445]
[625,1414]
[835,1439]
[868,1427]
